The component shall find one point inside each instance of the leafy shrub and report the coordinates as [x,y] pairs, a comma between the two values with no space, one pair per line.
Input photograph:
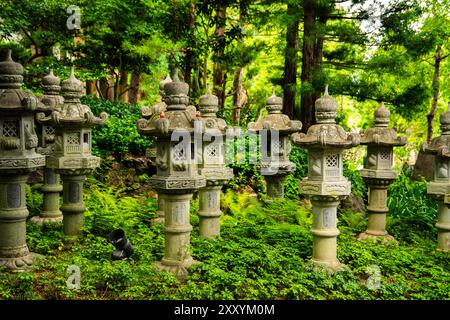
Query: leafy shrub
[118,136]
[410,208]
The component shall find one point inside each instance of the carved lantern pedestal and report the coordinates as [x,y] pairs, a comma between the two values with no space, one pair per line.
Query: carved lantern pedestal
[275,130]
[378,173]
[51,188]
[325,184]
[177,176]
[72,157]
[18,158]
[213,166]
[439,188]
[152,113]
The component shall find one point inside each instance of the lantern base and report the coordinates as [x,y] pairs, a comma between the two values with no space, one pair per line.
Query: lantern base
[330,266]
[367,235]
[46,220]
[19,264]
[179,268]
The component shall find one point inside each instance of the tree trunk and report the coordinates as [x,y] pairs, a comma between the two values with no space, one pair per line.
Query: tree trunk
[190,52]
[135,86]
[237,95]
[430,116]
[307,98]
[318,53]
[290,65]
[91,88]
[123,86]
[218,78]
[107,87]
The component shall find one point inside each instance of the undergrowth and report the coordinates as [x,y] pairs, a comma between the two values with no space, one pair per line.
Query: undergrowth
[263,253]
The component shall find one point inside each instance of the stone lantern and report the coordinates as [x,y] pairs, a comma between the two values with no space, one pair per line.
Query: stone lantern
[72,158]
[51,188]
[177,176]
[325,184]
[213,166]
[439,188]
[275,130]
[377,173]
[152,113]
[18,158]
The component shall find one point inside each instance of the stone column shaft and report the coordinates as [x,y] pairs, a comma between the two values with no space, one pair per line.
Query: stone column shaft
[177,229]
[14,253]
[325,231]
[51,190]
[443,226]
[377,211]
[275,186]
[73,206]
[209,211]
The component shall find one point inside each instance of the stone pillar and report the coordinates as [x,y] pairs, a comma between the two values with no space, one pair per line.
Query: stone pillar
[14,253]
[73,206]
[325,184]
[177,229]
[377,211]
[275,146]
[443,226]
[275,186]
[209,211]
[51,190]
[325,231]
[377,172]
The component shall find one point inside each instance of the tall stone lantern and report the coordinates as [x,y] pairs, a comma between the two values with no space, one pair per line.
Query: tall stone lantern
[439,188]
[275,145]
[18,158]
[325,183]
[72,157]
[152,113]
[51,187]
[177,176]
[377,173]
[213,166]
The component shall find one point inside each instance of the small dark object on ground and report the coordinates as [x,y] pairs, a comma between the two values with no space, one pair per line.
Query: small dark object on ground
[123,247]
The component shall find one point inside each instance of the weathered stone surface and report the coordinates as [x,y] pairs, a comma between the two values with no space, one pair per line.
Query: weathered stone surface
[177,176]
[325,183]
[439,187]
[353,203]
[72,157]
[18,157]
[275,130]
[424,166]
[378,173]
[213,166]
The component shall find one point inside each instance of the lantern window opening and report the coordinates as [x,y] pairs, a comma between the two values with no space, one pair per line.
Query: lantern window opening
[11,129]
[48,130]
[179,153]
[212,150]
[73,139]
[385,155]
[332,161]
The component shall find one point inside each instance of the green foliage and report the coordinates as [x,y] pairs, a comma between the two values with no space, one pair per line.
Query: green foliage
[119,135]
[263,253]
[410,208]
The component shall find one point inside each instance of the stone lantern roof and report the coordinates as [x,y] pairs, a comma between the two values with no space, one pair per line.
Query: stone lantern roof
[381,135]
[440,145]
[209,106]
[11,97]
[275,120]
[326,133]
[178,115]
[52,89]
[162,83]
[72,112]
